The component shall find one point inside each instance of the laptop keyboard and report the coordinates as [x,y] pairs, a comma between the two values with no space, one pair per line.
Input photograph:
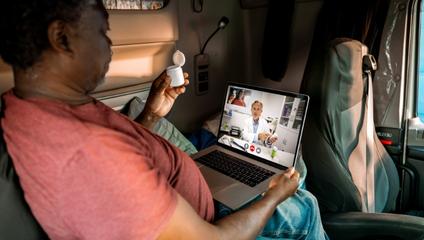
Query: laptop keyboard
[242,171]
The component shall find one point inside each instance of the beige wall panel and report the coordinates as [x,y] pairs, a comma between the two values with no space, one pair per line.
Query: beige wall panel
[136,64]
[133,27]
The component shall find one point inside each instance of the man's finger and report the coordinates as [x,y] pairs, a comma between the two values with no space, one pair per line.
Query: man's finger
[173,92]
[164,84]
[158,81]
[289,172]
[180,90]
[295,176]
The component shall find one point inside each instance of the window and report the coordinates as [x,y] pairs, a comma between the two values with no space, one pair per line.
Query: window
[420,95]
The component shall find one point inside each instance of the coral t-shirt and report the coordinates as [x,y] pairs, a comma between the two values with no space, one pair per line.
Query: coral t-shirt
[89,172]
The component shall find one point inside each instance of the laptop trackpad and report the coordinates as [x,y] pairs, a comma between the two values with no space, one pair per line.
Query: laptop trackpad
[227,190]
[216,181]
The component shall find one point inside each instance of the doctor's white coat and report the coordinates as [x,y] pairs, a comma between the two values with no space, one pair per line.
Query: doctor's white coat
[247,132]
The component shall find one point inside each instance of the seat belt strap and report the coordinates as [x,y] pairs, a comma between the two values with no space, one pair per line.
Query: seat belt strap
[369,65]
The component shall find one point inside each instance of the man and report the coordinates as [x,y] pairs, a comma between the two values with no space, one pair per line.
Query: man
[239,99]
[91,173]
[256,129]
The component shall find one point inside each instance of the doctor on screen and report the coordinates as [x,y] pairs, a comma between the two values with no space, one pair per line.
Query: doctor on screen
[256,129]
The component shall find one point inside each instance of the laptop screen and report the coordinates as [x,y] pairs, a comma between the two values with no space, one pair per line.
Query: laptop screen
[265,124]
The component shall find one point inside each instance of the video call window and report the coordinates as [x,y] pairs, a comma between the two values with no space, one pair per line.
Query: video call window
[266,122]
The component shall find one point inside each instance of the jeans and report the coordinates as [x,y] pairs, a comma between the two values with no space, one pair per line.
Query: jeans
[298,217]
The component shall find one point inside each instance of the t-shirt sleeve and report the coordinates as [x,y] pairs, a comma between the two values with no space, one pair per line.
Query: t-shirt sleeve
[113,192]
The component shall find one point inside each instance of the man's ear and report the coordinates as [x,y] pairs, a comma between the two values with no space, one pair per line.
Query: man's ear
[59,35]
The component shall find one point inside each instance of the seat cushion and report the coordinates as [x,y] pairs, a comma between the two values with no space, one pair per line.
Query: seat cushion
[163,127]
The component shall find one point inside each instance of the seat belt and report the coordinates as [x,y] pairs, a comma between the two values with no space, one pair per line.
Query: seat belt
[369,65]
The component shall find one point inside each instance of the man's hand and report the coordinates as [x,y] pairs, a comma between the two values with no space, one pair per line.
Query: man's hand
[161,99]
[242,224]
[263,136]
[272,139]
[162,96]
[283,186]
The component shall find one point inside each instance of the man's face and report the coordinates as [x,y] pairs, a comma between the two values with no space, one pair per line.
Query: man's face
[92,48]
[256,111]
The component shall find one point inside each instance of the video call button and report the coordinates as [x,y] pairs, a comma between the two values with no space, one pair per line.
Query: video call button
[252,148]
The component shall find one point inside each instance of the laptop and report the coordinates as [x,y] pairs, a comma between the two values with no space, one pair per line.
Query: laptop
[239,167]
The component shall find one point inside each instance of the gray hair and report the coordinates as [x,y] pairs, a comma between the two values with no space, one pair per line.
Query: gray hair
[257,102]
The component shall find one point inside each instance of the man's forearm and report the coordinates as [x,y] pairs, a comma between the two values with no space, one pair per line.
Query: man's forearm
[247,223]
[186,223]
[147,119]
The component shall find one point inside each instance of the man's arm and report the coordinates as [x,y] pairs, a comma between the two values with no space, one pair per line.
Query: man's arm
[160,101]
[147,119]
[244,224]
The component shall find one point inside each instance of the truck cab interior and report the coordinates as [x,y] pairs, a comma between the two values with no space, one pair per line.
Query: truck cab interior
[360,62]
